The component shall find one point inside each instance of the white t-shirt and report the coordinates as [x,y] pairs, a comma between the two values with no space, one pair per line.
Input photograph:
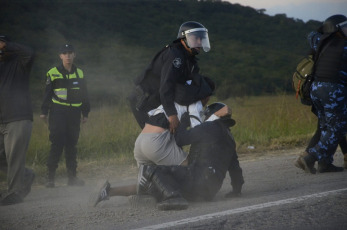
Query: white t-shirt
[194,110]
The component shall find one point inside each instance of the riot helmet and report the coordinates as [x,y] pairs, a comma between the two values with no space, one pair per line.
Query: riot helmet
[333,24]
[195,35]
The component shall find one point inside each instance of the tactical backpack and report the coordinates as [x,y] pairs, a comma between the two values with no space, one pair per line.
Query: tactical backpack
[303,78]
[304,73]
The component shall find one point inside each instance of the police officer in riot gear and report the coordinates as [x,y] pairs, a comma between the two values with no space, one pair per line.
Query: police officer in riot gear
[175,64]
[328,93]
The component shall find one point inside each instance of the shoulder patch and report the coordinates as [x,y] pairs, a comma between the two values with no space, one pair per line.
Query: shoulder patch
[177,62]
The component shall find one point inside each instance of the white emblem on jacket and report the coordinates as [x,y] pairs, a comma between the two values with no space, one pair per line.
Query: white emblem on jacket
[177,62]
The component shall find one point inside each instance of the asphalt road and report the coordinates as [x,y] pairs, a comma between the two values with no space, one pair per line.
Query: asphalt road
[276,195]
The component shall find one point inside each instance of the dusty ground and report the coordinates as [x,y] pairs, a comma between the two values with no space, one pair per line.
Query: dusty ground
[67,207]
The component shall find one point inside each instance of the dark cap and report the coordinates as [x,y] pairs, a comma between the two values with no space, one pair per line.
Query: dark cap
[3,38]
[67,48]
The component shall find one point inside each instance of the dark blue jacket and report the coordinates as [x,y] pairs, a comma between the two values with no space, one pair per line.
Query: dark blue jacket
[15,102]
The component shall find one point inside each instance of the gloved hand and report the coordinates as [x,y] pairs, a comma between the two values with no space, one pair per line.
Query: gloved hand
[185,119]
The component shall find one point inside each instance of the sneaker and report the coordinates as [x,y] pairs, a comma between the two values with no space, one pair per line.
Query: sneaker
[308,163]
[142,182]
[101,194]
[323,168]
[28,181]
[13,198]
[75,181]
[177,203]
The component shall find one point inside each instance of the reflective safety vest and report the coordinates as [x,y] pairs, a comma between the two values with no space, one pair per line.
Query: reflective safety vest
[66,87]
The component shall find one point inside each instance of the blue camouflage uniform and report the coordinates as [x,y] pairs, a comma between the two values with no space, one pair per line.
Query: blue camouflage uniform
[329,96]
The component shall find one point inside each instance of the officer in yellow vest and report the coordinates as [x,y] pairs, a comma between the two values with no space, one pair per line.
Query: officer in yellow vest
[65,99]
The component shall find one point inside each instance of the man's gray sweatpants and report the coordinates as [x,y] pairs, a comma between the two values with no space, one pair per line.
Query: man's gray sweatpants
[14,142]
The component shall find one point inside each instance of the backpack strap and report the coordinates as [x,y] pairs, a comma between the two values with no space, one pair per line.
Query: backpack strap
[193,116]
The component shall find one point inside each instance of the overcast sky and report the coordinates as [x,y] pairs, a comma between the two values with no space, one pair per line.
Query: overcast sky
[302,9]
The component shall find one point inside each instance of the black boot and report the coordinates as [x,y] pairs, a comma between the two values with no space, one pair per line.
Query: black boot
[236,192]
[298,163]
[308,163]
[50,179]
[166,190]
[324,167]
[73,180]
[157,181]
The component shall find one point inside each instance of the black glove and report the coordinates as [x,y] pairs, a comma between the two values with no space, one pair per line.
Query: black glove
[185,120]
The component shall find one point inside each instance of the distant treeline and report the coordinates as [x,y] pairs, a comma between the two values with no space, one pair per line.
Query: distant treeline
[252,53]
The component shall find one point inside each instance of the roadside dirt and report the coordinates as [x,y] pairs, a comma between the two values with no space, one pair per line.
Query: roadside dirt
[65,207]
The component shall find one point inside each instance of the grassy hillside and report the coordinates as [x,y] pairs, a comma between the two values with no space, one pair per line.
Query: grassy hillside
[252,53]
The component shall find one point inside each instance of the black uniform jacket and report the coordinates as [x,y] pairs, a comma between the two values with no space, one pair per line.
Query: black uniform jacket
[173,65]
[212,148]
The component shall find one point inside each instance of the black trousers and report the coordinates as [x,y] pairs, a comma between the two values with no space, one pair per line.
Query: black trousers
[195,183]
[64,127]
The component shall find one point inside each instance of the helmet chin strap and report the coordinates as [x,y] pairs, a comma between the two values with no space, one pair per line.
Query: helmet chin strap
[190,50]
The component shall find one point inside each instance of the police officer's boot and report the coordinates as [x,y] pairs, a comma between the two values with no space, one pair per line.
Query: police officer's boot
[166,190]
[308,163]
[324,167]
[73,180]
[154,181]
[50,179]
[345,160]
[298,161]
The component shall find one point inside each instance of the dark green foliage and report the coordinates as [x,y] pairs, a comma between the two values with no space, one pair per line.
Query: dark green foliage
[252,53]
